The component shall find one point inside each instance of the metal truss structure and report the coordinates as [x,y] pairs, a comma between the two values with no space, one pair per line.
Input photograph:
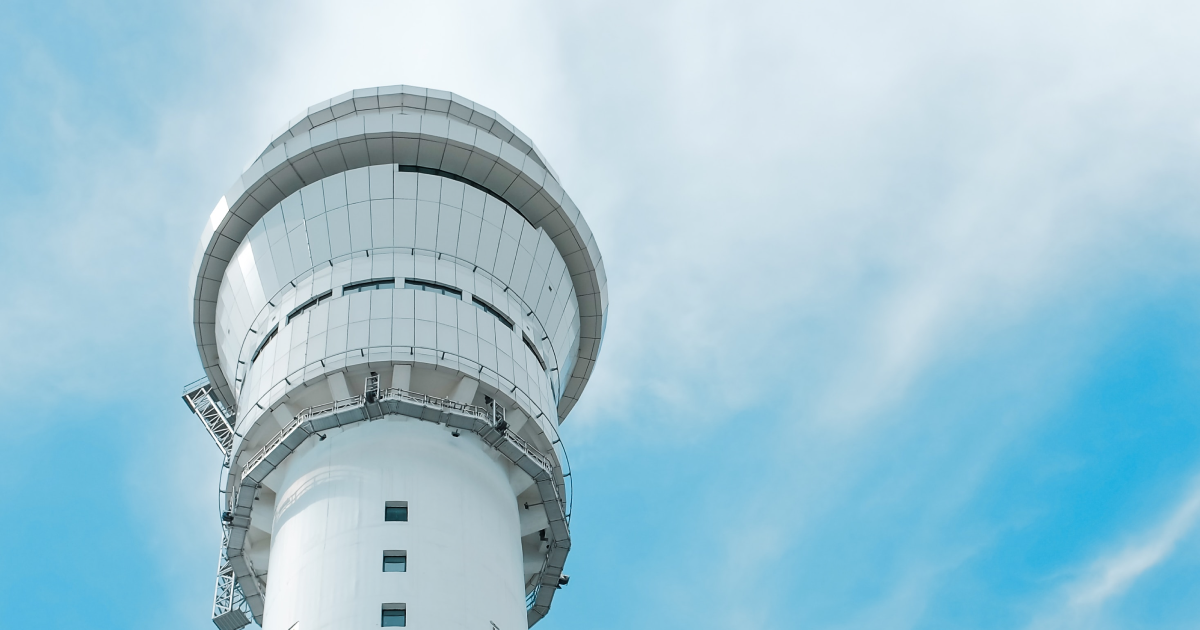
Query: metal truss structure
[212,414]
[230,610]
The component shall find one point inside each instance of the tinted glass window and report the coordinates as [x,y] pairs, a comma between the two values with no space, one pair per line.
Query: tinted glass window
[395,563]
[435,287]
[369,285]
[309,304]
[488,308]
[537,355]
[393,619]
[395,513]
[266,340]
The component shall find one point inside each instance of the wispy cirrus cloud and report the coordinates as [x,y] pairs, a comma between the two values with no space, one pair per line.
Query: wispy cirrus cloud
[861,256]
[1081,602]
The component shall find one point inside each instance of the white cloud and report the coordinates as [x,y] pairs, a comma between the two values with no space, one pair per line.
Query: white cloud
[799,204]
[849,193]
[1113,575]
[867,188]
[1081,603]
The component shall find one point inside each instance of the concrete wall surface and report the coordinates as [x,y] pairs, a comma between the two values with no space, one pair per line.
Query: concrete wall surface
[462,538]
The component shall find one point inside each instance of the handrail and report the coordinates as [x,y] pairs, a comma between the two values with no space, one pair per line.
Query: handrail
[532,596]
[490,423]
[194,385]
[278,295]
[395,393]
[529,450]
[329,407]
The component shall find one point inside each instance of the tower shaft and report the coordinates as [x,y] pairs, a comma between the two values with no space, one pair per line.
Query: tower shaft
[396,306]
[461,539]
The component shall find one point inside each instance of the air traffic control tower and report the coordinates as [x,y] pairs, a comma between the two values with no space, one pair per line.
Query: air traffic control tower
[396,305]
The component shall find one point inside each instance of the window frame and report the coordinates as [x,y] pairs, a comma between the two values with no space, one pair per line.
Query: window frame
[391,505]
[315,300]
[493,311]
[369,285]
[393,608]
[263,344]
[532,348]
[432,287]
[403,555]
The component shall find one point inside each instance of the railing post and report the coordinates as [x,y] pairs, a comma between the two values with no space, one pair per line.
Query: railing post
[371,388]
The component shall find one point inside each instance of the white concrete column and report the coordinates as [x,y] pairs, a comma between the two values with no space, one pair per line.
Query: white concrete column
[462,536]
[337,386]
[402,376]
[283,415]
[464,392]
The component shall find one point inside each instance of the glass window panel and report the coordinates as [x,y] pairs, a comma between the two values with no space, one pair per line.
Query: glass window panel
[369,285]
[393,619]
[395,564]
[267,340]
[487,308]
[309,304]
[537,355]
[433,287]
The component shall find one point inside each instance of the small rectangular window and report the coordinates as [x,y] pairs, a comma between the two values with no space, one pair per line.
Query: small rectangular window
[393,616]
[266,340]
[395,562]
[369,285]
[395,511]
[435,287]
[488,308]
[537,355]
[313,301]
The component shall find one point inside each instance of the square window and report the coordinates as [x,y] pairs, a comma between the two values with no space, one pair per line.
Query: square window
[395,562]
[395,511]
[393,616]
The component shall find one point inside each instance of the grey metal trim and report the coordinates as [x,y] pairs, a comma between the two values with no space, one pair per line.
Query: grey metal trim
[409,98]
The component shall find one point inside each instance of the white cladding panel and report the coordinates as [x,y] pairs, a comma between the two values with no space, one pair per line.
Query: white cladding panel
[398,325]
[462,537]
[451,136]
[274,246]
[373,223]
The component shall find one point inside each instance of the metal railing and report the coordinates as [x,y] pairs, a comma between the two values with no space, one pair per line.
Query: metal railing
[203,380]
[532,596]
[530,451]
[395,393]
[329,407]
[493,421]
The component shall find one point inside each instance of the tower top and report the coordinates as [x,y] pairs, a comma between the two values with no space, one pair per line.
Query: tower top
[419,130]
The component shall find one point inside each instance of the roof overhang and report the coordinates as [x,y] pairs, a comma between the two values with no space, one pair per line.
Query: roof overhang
[433,140]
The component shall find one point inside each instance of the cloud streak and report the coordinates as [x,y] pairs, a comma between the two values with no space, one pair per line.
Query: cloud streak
[1114,575]
[858,253]
[1081,603]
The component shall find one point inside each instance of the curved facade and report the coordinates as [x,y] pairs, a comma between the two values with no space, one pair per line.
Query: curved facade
[329,537]
[396,303]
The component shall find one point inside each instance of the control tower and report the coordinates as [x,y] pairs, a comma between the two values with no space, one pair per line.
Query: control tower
[396,305]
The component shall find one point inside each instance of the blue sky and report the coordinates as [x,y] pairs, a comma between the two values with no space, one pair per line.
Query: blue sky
[904,322]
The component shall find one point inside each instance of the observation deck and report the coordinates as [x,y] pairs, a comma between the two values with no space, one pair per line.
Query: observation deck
[419,244]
